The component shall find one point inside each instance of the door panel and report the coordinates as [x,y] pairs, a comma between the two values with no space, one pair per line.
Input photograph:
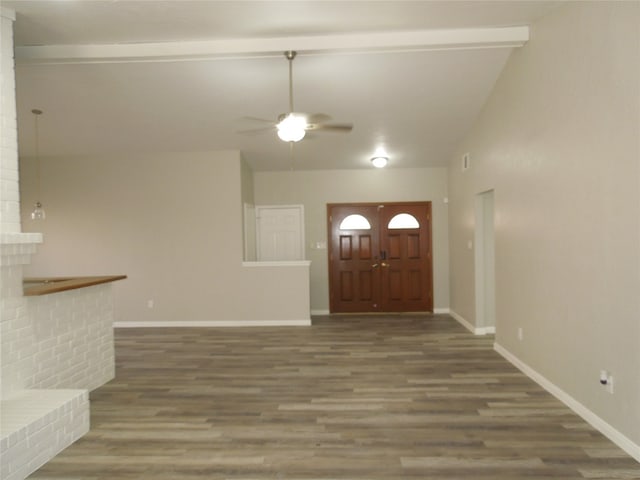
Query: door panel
[406,283]
[352,254]
[377,267]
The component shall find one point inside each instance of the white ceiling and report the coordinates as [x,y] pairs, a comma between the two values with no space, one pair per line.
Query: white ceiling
[181,75]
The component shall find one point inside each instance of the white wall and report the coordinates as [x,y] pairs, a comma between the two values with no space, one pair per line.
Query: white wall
[558,142]
[171,222]
[315,189]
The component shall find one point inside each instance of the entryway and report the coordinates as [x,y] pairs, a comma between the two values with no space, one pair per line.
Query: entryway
[380,257]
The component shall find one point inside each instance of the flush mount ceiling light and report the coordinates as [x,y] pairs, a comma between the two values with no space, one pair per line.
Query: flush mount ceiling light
[38,210]
[380,162]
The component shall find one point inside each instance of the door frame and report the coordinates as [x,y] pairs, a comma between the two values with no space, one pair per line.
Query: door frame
[429,240]
[484,261]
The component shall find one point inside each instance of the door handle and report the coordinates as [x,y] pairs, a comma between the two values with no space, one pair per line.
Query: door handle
[385,264]
[375,265]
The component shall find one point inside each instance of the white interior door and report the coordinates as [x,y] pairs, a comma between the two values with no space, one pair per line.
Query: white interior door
[280,232]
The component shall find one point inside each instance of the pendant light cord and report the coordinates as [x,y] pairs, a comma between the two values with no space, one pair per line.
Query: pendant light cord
[36,114]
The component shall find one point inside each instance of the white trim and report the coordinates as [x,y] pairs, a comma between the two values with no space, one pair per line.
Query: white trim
[320,312]
[419,40]
[466,324]
[8,13]
[215,323]
[439,311]
[617,437]
[462,321]
[283,263]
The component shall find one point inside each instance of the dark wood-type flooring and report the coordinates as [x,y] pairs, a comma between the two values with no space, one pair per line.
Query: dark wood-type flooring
[381,398]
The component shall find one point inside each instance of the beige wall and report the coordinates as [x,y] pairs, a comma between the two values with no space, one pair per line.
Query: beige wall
[558,141]
[172,222]
[315,189]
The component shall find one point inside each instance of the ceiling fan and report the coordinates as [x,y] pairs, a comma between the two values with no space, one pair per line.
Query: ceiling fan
[292,126]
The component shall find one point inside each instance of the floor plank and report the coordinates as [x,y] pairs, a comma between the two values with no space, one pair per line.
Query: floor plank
[352,397]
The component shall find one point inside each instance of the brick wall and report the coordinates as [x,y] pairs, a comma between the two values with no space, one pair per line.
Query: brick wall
[61,340]
[52,348]
[37,425]
[9,191]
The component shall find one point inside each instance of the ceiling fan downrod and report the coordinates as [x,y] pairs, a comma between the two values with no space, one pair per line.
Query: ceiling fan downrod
[290,55]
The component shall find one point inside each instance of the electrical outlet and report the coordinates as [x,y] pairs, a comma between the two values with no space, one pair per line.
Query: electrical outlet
[149,303]
[466,161]
[520,333]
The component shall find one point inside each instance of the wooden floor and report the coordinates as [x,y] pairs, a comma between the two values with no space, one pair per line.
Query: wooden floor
[400,397]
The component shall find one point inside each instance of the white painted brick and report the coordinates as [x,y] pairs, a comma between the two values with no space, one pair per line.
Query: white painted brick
[50,421]
[42,340]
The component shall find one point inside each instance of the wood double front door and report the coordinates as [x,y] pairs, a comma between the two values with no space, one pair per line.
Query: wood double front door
[380,257]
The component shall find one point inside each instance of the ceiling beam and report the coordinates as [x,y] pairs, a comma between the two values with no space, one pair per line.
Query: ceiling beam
[452,39]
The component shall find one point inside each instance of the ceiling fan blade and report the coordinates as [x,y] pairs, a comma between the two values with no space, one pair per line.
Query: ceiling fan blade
[331,127]
[318,118]
[256,131]
[258,119]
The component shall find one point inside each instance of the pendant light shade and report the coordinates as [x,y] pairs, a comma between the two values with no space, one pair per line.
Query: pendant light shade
[38,212]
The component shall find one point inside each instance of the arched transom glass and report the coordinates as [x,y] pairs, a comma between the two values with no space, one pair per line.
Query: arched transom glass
[403,220]
[355,222]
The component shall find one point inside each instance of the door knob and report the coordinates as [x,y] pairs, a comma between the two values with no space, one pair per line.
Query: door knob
[375,265]
[385,264]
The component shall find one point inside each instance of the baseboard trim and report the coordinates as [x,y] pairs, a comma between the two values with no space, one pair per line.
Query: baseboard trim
[320,312]
[475,330]
[215,323]
[590,417]
[486,330]
[439,311]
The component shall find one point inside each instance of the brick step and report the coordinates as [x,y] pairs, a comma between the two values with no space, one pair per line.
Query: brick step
[36,425]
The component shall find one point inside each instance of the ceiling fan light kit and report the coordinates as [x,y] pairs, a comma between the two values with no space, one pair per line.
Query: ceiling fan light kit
[292,128]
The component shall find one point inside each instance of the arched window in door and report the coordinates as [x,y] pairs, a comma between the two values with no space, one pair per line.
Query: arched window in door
[403,220]
[355,222]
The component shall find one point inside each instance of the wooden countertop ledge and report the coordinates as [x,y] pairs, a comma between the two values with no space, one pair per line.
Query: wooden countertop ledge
[44,285]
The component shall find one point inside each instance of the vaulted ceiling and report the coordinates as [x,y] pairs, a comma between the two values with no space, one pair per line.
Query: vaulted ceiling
[141,76]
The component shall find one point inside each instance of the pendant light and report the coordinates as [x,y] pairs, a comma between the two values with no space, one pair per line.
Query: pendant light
[38,212]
